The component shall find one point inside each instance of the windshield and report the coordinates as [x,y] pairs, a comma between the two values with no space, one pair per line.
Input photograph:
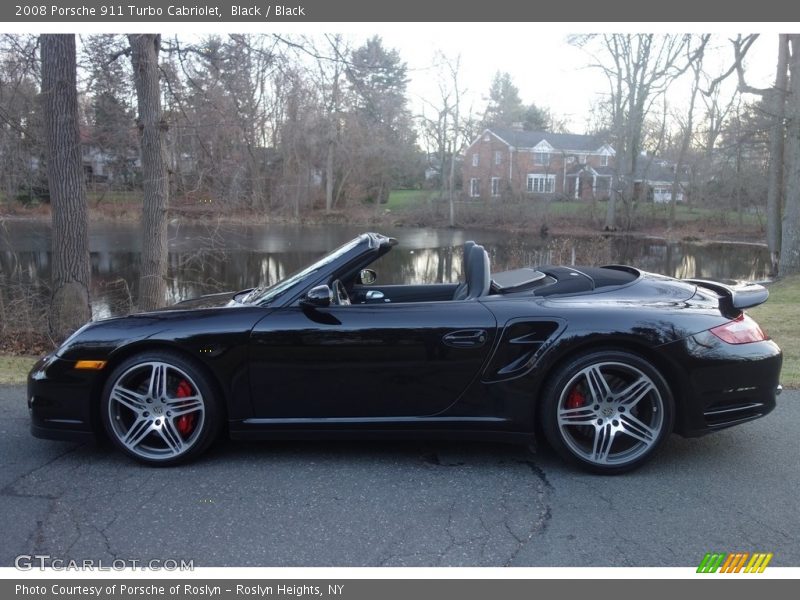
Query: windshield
[262,295]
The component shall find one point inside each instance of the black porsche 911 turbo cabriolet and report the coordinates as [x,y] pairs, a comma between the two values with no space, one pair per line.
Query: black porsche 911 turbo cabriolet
[606,362]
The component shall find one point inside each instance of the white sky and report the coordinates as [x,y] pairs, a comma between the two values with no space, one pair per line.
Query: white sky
[547,70]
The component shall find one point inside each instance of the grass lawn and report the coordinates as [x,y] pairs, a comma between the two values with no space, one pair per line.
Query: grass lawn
[402,199]
[14,369]
[399,199]
[660,212]
[779,317]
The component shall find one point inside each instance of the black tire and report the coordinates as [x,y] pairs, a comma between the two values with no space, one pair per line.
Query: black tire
[155,424]
[607,411]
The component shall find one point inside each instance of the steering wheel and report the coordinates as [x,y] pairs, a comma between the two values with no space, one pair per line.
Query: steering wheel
[340,295]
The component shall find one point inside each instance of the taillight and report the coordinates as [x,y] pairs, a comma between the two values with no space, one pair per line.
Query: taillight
[742,330]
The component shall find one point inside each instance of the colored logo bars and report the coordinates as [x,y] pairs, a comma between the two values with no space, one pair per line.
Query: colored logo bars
[734,562]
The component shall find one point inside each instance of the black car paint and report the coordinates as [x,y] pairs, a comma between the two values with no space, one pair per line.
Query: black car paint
[365,360]
[286,370]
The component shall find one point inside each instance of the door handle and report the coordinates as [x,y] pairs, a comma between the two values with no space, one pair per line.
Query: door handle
[465,338]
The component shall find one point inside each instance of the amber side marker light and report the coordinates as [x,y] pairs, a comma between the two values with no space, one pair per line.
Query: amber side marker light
[91,365]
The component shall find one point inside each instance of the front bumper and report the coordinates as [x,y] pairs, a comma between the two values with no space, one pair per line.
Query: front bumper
[62,400]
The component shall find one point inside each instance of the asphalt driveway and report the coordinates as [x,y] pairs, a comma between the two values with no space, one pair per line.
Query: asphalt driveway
[414,503]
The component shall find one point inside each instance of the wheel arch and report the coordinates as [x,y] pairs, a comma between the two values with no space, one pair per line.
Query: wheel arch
[123,353]
[666,367]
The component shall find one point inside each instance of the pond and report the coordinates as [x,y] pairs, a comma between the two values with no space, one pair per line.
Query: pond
[220,257]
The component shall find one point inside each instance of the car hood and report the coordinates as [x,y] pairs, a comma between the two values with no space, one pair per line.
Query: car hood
[219,300]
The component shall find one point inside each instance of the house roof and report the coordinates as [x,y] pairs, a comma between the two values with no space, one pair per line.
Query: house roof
[654,169]
[561,141]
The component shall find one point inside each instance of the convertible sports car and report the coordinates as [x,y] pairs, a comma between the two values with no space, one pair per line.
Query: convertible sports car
[606,362]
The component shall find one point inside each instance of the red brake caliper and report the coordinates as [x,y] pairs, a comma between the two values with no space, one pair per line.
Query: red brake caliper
[575,399]
[184,423]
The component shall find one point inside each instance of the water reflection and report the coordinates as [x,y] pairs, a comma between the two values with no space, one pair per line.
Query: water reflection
[205,259]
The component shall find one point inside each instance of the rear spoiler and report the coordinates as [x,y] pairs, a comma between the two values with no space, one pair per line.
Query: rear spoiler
[740,295]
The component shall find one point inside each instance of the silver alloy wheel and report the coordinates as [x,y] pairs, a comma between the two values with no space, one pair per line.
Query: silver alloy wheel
[610,413]
[149,408]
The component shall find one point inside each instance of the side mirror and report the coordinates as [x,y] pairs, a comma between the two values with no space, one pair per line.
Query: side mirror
[367,277]
[318,297]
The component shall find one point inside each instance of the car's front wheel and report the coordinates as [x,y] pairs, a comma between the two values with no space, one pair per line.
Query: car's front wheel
[607,411]
[159,408]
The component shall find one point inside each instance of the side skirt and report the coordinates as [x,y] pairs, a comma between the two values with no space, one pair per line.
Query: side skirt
[399,428]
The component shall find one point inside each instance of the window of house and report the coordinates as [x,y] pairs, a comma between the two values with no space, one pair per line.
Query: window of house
[604,160]
[495,186]
[498,157]
[486,138]
[541,184]
[582,159]
[474,187]
[541,158]
[475,159]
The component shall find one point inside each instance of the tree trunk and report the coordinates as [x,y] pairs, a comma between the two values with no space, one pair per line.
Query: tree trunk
[738,191]
[155,176]
[451,184]
[69,304]
[685,142]
[790,250]
[329,178]
[776,142]
[620,159]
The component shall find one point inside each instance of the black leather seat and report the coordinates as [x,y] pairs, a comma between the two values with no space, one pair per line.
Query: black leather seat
[461,290]
[478,273]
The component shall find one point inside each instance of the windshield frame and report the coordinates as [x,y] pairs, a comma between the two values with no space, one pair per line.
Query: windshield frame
[265,296]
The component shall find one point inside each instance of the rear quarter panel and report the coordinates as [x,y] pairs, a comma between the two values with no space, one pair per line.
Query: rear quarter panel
[536,335]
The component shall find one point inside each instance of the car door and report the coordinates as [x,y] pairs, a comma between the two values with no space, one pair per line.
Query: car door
[367,360]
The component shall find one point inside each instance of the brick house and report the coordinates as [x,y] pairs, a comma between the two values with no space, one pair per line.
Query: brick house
[512,162]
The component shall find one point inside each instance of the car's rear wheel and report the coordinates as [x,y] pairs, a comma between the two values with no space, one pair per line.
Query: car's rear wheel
[607,411]
[159,408]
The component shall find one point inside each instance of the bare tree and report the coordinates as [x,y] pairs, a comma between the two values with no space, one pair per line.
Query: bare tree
[776,99]
[71,273]
[155,177]
[790,246]
[718,109]
[453,68]
[738,175]
[220,103]
[21,136]
[445,131]
[108,100]
[716,113]
[331,76]
[776,154]
[639,69]
[696,62]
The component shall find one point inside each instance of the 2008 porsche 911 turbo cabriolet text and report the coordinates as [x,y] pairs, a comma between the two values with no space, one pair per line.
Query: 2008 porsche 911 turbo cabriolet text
[606,362]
